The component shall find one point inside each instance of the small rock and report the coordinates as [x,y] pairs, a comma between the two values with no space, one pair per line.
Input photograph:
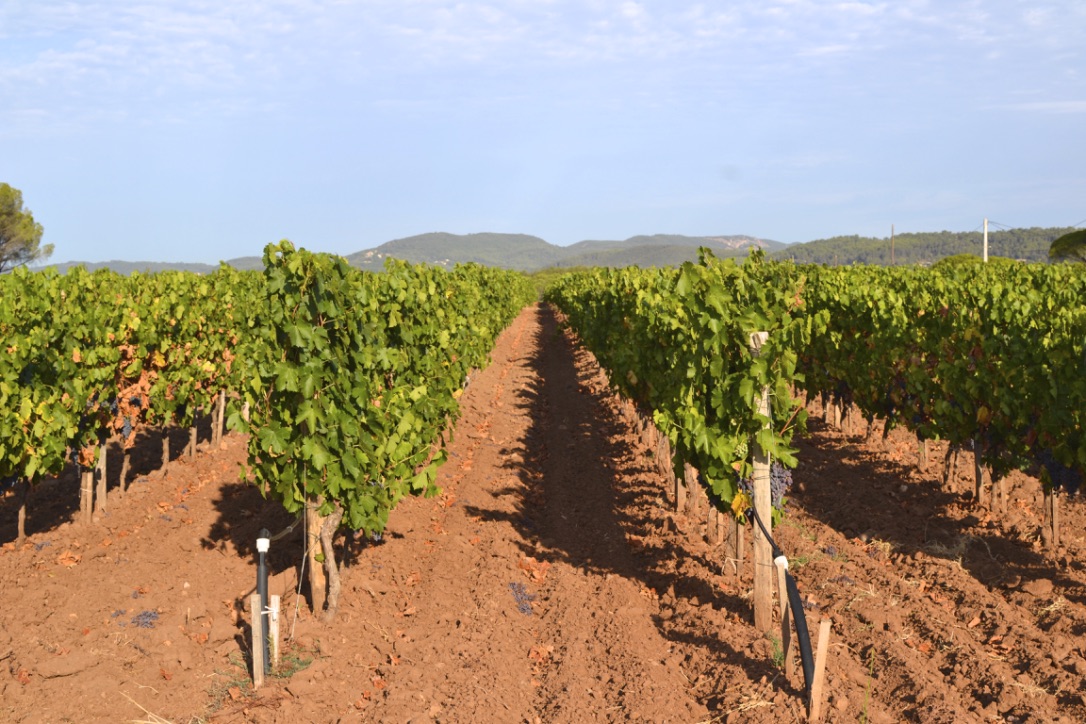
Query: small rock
[1039,588]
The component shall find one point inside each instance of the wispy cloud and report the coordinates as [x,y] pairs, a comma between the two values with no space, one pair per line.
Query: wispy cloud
[1048,107]
[94,55]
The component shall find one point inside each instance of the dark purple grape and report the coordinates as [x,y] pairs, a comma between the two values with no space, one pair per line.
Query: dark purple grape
[780,480]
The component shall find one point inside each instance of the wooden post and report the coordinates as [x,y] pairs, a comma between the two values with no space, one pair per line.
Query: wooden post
[165,449]
[921,453]
[731,543]
[220,423]
[126,464]
[273,630]
[86,496]
[950,467]
[318,583]
[680,493]
[786,623]
[690,482]
[740,546]
[24,495]
[1050,528]
[245,411]
[814,707]
[763,505]
[258,635]
[978,466]
[192,441]
[100,477]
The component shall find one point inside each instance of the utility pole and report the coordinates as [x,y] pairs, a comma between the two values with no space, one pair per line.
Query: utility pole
[891,244]
[986,239]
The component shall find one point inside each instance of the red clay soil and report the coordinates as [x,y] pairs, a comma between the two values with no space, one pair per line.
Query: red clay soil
[551,581]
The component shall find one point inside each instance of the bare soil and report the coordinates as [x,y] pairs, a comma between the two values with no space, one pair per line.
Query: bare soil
[551,581]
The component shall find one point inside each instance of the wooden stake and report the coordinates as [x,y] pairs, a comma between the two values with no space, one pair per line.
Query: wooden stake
[731,543]
[318,583]
[1055,520]
[100,476]
[125,465]
[165,449]
[814,707]
[220,424]
[273,630]
[1050,529]
[763,505]
[258,635]
[978,469]
[680,493]
[24,495]
[740,546]
[950,467]
[86,497]
[690,481]
[921,454]
[192,442]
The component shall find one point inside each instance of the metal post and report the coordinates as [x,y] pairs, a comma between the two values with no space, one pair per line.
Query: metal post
[263,543]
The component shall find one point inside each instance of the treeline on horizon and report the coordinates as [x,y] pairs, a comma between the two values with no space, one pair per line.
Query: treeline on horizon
[925,248]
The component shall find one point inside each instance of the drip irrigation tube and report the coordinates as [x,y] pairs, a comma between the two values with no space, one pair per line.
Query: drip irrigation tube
[796,606]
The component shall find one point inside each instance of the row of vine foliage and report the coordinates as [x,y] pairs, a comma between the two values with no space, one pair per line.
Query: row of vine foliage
[678,343]
[351,376]
[89,356]
[357,376]
[991,355]
[985,354]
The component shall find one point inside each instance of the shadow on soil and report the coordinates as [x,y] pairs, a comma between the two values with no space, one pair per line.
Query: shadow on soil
[918,517]
[591,498]
[55,501]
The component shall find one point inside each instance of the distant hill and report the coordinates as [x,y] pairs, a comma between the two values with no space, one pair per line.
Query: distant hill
[658,250]
[128,267]
[243,263]
[510,251]
[529,253]
[925,248]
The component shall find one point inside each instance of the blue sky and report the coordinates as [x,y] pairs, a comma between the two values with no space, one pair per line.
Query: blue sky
[199,130]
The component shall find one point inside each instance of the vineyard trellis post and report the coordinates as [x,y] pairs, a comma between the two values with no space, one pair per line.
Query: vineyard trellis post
[763,506]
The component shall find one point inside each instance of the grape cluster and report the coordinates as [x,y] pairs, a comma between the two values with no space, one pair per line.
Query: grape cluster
[145,619]
[780,480]
[1059,475]
[522,597]
[126,430]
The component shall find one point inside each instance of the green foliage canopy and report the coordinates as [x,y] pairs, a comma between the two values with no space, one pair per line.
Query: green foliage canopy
[20,235]
[1069,246]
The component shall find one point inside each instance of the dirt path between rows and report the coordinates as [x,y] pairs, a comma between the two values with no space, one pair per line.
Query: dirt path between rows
[551,581]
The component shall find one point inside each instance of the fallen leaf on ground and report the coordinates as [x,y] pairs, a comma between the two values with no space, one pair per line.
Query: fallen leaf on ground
[536,570]
[69,559]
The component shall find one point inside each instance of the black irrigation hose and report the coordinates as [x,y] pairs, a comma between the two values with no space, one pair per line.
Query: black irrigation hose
[796,606]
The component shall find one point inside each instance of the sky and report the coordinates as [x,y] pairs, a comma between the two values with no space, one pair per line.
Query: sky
[201,130]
